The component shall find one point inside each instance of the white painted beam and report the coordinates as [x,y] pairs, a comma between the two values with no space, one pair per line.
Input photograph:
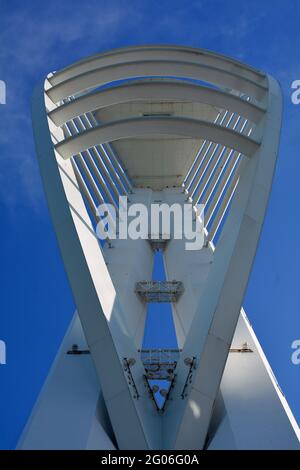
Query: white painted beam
[161,52]
[214,323]
[155,91]
[150,126]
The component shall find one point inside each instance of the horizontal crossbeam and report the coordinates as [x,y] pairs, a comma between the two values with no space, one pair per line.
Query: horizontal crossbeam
[142,126]
[155,91]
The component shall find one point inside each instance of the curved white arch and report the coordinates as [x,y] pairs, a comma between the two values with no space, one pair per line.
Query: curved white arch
[157,91]
[142,126]
[162,68]
[158,52]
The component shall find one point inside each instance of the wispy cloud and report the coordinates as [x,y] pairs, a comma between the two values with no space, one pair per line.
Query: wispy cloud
[32,45]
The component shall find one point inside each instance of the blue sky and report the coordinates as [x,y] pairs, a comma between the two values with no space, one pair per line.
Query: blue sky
[41,36]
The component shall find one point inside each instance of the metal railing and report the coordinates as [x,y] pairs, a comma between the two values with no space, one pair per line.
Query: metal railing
[159,291]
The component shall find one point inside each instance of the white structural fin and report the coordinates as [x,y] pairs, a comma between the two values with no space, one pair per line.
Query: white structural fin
[250,406]
[70,412]
[159,124]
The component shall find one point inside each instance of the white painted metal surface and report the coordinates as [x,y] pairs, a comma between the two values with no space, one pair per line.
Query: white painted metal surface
[70,412]
[170,140]
[67,416]
[251,411]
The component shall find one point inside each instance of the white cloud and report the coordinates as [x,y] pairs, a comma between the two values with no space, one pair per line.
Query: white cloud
[33,44]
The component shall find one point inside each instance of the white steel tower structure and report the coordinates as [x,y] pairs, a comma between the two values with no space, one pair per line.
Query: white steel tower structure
[159,124]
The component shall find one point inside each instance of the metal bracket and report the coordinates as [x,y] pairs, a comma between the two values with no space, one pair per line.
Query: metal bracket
[75,351]
[191,362]
[127,364]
